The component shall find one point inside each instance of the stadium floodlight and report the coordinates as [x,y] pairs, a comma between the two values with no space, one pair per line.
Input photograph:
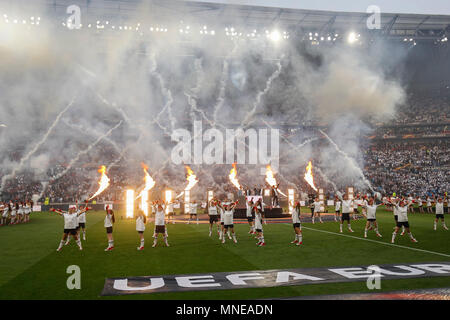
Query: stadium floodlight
[352,37]
[275,36]
[144,203]
[168,197]
[187,200]
[129,203]
[291,200]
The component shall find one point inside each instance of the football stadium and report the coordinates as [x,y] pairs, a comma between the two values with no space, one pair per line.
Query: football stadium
[224,150]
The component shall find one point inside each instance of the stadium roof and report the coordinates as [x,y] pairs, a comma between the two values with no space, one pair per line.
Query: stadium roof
[295,20]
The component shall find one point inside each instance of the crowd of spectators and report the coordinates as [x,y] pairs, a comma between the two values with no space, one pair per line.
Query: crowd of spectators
[409,164]
[410,167]
[420,109]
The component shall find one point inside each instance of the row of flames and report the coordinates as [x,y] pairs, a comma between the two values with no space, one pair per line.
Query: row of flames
[270,178]
[192,180]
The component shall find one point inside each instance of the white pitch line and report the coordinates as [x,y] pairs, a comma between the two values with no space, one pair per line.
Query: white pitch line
[380,242]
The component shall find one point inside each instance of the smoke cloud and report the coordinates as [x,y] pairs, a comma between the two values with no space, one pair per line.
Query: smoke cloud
[155,82]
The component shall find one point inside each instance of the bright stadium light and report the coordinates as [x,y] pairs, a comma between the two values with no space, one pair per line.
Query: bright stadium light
[187,200]
[352,37]
[144,203]
[130,203]
[275,36]
[168,198]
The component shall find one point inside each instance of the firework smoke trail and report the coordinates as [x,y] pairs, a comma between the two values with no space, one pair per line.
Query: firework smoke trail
[36,147]
[200,74]
[218,187]
[325,178]
[223,83]
[247,120]
[128,120]
[350,160]
[301,145]
[120,110]
[192,98]
[286,180]
[193,104]
[44,188]
[165,92]
[85,151]
[295,148]
[103,99]
[92,132]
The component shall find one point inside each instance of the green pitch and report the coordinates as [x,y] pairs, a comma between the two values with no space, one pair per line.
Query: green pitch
[30,267]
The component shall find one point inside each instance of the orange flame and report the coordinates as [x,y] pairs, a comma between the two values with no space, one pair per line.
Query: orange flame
[309,176]
[232,176]
[191,178]
[149,182]
[103,183]
[270,179]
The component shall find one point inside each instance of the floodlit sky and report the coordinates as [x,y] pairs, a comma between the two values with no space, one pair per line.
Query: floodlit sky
[388,6]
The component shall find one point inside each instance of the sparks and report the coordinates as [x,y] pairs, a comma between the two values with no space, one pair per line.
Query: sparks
[103,183]
[232,176]
[309,176]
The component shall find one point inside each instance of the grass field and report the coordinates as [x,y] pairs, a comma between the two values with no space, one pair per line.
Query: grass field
[30,267]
